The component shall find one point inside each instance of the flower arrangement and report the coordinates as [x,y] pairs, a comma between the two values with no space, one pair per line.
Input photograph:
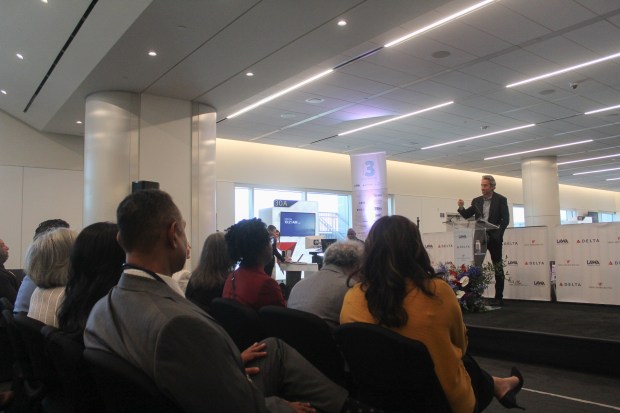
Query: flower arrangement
[468,283]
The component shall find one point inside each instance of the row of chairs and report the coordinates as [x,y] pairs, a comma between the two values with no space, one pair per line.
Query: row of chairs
[52,373]
[378,366]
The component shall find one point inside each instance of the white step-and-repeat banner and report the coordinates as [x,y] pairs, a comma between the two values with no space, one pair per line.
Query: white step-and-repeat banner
[587,261]
[525,256]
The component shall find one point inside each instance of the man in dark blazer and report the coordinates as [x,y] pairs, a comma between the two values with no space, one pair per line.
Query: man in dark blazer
[493,208]
[147,321]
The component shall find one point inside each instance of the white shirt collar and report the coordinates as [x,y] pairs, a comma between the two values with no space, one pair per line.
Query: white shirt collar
[168,280]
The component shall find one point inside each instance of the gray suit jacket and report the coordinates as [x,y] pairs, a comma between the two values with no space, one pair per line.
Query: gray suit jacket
[189,356]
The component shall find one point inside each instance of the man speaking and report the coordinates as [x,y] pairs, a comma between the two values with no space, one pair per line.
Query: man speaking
[493,208]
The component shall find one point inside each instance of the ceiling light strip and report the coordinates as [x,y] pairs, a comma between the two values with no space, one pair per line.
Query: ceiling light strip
[595,172]
[602,110]
[588,159]
[396,118]
[480,136]
[538,150]
[568,69]
[612,179]
[440,22]
[280,93]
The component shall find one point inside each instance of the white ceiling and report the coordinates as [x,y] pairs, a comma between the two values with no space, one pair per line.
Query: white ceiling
[205,47]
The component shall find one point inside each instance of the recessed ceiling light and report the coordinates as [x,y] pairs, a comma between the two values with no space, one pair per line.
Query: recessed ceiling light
[441,54]
[19,56]
[538,150]
[567,69]
[3,91]
[602,110]
[79,122]
[481,136]
[612,179]
[288,115]
[342,23]
[439,22]
[595,172]
[589,159]
[44,1]
[249,74]
[314,101]
[152,53]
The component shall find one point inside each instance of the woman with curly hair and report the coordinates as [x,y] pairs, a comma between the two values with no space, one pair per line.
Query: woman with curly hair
[248,244]
[399,290]
[207,280]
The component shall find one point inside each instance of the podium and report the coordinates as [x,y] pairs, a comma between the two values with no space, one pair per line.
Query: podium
[293,271]
[470,241]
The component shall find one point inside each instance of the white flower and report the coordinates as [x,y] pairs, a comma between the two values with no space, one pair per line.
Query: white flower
[460,294]
[464,281]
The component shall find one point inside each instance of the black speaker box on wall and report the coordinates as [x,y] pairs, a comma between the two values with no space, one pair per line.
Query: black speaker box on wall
[140,185]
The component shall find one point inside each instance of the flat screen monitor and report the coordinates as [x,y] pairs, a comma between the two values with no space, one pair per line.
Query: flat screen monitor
[313,242]
[326,242]
[297,224]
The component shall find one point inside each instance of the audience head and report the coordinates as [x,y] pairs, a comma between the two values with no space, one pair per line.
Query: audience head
[4,252]
[393,255]
[351,234]
[49,225]
[47,258]
[248,243]
[96,266]
[214,265]
[344,254]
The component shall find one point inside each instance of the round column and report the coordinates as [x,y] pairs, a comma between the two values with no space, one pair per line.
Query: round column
[110,152]
[541,192]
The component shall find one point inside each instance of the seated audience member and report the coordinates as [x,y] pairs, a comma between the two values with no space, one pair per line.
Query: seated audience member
[322,293]
[47,263]
[8,282]
[182,277]
[22,302]
[96,266]
[207,280]
[399,290]
[352,236]
[248,244]
[190,358]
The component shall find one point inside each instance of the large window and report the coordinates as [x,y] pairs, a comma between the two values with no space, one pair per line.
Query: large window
[518,216]
[568,216]
[606,216]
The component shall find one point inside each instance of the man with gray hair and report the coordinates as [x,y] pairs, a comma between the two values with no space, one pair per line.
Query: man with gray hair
[491,207]
[322,293]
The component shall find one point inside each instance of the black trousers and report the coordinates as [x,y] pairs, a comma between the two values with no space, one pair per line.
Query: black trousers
[494,246]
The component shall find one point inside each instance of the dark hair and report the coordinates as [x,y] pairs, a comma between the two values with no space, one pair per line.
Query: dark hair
[246,241]
[393,254]
[96,266]
[490,179]
[214,265]
[141,217]
[49,225]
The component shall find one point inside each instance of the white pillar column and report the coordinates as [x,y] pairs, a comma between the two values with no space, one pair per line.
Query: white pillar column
[110,152]
[203,174]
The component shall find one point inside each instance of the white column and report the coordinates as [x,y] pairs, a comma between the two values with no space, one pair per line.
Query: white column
[541,195]
[203,175]
[110,152]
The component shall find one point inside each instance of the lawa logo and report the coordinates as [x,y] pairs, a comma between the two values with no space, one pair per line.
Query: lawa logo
[561,241]
[462,236]
[588,241]
[593,262]
[512,262]
[429,246]
[570,284]
[539,283]
[535,263]
[511,243]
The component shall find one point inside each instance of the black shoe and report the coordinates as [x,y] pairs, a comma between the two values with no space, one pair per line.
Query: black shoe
[498,302]
[509,400]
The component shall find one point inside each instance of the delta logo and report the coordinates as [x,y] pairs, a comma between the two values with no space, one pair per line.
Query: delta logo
[616,262]
[444,246]
[593,263]
[565,284]
[588,241]
[561,241]
[539,283]
[510,243]
[534,263]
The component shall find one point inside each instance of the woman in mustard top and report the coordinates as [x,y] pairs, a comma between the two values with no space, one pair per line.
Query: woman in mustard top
[399,290]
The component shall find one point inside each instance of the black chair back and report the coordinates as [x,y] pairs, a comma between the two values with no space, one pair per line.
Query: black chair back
[123,387]
[307,333]
[240,321]
[391,372]
[77,388]
[6,351]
